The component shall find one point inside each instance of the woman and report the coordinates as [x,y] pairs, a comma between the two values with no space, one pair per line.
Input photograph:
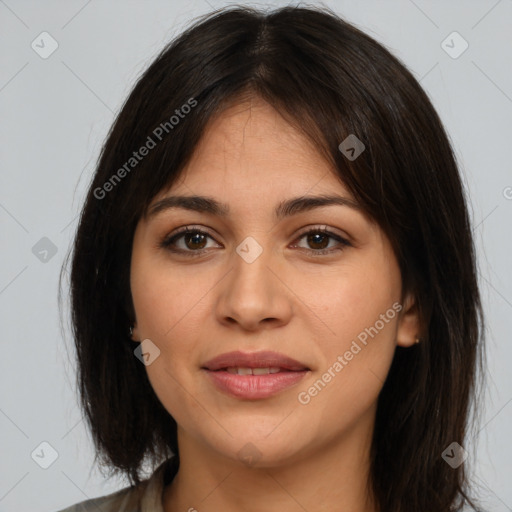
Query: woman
[277,219]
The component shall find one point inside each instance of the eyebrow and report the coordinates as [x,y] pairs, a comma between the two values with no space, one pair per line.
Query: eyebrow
[293,206]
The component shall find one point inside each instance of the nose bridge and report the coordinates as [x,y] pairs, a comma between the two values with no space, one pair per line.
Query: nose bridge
[253,293]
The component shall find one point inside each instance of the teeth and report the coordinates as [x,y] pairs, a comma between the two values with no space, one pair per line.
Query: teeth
[253,371]
[260,371]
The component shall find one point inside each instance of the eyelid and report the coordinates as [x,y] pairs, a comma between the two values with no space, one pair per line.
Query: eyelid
[323,228]
[184,230]
[343,241]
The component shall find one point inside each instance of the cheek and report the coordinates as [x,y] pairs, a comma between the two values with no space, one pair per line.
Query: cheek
[166,307]
[170,306]
[165,298]
[354,300]
[361,309]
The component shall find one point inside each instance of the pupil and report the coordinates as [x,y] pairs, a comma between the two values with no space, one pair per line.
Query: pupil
[196,238]
[314,240]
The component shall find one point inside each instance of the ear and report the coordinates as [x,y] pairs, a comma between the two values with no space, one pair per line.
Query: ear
[408,329]
[135,333]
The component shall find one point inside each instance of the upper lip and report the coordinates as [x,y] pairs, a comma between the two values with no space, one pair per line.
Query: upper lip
[263,359]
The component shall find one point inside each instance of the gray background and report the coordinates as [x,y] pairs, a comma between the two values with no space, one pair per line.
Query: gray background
[55,114]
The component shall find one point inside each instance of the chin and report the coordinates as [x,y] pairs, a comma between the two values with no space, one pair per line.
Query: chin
[260,451]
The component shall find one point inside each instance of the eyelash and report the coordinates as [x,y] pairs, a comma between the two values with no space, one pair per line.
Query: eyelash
[168,241]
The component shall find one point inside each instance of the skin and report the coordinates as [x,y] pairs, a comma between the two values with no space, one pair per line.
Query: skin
[312,456]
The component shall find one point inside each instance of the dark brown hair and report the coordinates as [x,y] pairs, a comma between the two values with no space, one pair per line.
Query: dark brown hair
[329,80]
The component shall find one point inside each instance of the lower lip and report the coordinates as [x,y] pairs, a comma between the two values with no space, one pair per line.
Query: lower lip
[254,387]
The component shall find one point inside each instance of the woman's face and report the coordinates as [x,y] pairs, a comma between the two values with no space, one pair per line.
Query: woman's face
[250,281]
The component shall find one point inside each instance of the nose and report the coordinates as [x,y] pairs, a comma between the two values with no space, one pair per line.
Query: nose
[254,294]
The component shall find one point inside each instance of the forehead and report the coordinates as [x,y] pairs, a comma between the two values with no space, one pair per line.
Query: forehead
[250,146]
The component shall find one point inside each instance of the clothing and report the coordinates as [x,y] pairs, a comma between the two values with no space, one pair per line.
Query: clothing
[146,497]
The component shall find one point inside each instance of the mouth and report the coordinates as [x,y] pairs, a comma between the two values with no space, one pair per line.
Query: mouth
[253,371]
[255,363]
[254,376]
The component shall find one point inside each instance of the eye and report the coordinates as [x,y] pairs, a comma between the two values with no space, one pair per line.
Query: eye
[194,241]
[318,238]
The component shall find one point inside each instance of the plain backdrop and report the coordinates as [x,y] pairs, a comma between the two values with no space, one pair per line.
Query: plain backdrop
[55,113]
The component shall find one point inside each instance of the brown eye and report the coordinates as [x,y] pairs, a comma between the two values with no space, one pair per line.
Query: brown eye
[318,241]
[193,241]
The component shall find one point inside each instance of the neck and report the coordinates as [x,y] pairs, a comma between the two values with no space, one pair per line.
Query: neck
[334,477]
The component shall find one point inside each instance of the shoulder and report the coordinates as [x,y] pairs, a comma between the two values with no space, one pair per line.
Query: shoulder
[127,499]
[147,496]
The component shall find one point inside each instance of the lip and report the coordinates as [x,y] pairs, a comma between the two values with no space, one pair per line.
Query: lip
[254,387]
[262,359]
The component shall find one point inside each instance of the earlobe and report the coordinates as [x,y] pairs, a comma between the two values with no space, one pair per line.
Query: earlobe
[133,333]
[408,330]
